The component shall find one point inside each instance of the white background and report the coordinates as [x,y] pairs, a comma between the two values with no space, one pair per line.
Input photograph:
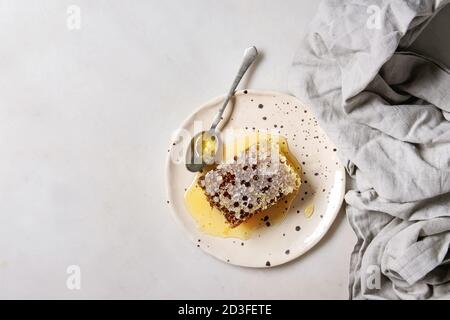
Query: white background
[85,121]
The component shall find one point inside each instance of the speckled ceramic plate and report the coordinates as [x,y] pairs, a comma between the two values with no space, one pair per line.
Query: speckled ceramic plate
[323,179]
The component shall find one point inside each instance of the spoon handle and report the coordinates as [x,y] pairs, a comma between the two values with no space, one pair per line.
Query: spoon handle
[249,56]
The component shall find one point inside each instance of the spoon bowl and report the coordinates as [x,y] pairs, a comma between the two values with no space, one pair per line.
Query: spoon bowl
[203,150]
[207,146]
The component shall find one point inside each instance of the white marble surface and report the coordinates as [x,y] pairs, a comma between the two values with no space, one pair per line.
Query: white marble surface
[85,120]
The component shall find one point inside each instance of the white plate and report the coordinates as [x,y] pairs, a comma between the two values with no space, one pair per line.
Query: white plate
[323,179]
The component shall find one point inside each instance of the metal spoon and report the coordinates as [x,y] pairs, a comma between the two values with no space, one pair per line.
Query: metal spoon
[196,159]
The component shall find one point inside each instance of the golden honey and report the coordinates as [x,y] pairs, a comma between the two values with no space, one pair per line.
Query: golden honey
[212,222]
[309,210]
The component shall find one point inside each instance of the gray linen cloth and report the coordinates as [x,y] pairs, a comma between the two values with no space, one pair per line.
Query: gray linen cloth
[388,111]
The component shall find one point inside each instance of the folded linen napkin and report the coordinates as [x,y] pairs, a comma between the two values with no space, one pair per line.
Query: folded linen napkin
[388,111]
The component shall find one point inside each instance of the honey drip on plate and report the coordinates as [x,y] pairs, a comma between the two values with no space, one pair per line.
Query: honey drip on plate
[212,222]
[309,210]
